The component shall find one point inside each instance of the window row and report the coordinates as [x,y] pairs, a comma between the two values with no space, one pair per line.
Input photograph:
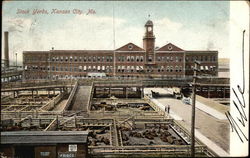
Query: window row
[149,69]
[130,58]
[202,68]
[72,69]
[82,58]
[201,58]
[170,69]
[169,58]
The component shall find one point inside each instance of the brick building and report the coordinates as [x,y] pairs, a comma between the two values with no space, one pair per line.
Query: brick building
[129,60]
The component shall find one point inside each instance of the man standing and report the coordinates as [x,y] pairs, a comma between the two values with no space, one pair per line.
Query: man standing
[168,109]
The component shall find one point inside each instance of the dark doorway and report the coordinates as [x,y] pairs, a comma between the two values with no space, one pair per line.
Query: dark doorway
[24,151]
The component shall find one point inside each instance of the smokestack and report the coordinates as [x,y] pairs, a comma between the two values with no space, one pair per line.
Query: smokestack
[6,49]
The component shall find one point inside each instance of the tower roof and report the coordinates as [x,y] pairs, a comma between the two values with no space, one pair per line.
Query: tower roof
[149,23]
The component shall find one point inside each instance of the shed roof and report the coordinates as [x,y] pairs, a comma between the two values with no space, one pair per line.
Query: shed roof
[43,137]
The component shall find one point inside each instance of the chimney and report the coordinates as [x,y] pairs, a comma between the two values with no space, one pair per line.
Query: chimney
[6,49]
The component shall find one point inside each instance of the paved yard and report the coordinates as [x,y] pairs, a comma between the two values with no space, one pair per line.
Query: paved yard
[217,130]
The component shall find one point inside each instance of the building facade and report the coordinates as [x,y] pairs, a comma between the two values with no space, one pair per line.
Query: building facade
[129,61]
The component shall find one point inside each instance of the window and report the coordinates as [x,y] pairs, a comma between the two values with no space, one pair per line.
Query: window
[119,58]
[159,58]
[171,68]
[61,58]
[128,58]
[89,68]
[75,59]
[71,58]
[123,68]
[162,58]
[118,68]
[205,58]
[98,58]
[94,59]
[192,58]
[187,59]
[150,58]
[137,58]
[170,47]
[162,68]
[128,68]
[171,58]
[159,69]
[176,68]
[84,58]
[141,58]
[137,68]
[111,58]
[130,47]
[132,58]
[180,68]
[168,68]
[180,59]
[176,59]
[80,68]
[132,68]
[80,58]
[89,58]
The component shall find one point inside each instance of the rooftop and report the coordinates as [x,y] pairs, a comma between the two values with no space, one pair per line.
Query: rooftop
[43,137]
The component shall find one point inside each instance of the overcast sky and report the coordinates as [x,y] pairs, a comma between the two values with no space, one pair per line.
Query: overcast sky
[192,25]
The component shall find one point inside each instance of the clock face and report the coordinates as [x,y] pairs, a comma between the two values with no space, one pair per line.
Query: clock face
[149,28]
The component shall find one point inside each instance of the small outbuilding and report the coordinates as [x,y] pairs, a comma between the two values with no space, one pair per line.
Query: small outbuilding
[44,144]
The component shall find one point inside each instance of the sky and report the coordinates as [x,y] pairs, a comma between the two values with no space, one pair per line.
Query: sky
[190,25]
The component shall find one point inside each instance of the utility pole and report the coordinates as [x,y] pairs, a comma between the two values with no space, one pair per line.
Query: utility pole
[16,60]
[114,57]
[196,63]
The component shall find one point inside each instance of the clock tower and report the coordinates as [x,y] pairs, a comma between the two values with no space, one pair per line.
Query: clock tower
[149,42]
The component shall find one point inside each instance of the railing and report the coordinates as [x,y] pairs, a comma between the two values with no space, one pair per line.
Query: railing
[71,97]
[154,106]
[90,97]
[52,103]
[36,83]
[22,114]
[157,149]
[52,125]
